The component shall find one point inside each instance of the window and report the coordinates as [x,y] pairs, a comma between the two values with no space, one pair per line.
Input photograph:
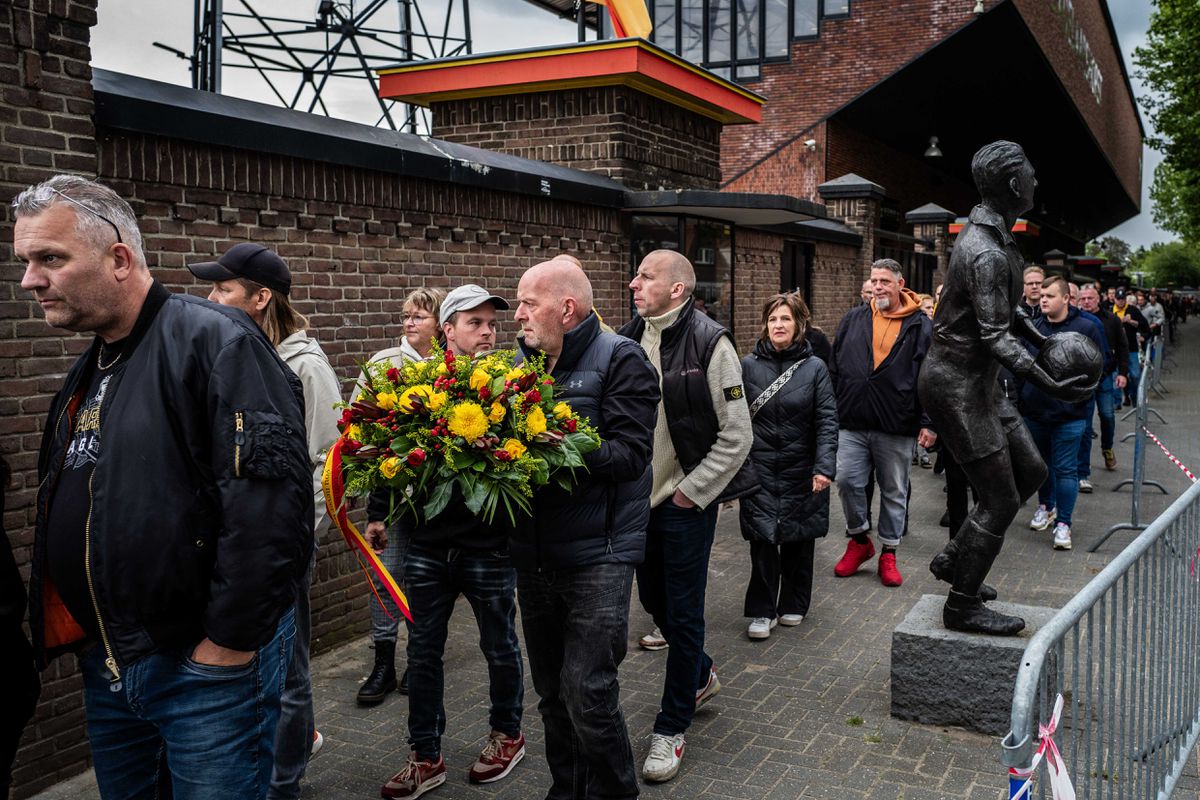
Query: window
[746,20]
[707,244]
[775,18]
[691,31]
[805,16]
[837,8]
[718,31]
[664,25]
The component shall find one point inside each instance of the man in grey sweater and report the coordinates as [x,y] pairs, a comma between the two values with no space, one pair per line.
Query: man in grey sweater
[701,440]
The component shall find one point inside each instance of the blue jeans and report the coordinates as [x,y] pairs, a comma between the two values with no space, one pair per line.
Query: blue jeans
[889,457]
[384,628]
[1102,401]
[435,577]
[193,731]
[294,733]
[576,626]
[671,584]
[1059,445]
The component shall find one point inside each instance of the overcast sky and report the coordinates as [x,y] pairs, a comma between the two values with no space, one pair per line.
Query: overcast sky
[123,41]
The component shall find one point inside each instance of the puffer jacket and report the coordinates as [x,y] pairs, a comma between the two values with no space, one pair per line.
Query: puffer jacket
[795,437]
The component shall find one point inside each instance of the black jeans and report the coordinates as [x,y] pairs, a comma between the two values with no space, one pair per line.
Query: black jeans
[780,579]
[671,584]
[576,625]
[434,578]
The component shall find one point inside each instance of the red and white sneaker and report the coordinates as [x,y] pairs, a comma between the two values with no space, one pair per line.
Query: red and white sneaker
[499,756]
[710,689]
[666,754]
[417,778]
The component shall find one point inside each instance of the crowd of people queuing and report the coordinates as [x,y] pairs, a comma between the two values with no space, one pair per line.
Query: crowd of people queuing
[180,500]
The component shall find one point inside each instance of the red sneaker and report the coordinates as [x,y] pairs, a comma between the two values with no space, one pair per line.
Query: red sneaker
[499,756]
[888,574]
[417,778]
[855,556]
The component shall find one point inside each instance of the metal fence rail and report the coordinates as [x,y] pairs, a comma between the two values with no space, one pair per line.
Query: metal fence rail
[1125,655]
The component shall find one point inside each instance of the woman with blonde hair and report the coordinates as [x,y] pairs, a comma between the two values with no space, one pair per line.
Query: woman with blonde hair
[794,416]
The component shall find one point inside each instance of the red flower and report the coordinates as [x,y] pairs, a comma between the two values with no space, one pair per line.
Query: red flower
[351,446]
[570,425]
[533,396]
[393,375]
[449,360]
[548,382]
[416,457]
[485,393]
[502,455]
[347,418]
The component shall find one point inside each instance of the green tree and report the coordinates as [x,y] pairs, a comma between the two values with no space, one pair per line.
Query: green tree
[1116,250]
[1168,64]
[1175,264]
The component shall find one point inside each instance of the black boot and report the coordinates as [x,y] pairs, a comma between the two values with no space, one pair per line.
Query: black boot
[382,679]
[969,614]
[942,568]
[964,610]
[403,687]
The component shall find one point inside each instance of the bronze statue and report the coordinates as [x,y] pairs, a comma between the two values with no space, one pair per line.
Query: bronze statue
[975,332]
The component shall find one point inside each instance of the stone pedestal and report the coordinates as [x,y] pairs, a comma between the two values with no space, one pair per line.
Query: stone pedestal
[942,677]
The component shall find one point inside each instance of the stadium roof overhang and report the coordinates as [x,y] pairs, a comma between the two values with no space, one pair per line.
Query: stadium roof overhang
[991,80]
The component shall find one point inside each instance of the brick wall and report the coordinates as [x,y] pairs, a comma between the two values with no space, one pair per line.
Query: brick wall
[823,74]
[836,279]
[616,131]
[45,127]
[756,277]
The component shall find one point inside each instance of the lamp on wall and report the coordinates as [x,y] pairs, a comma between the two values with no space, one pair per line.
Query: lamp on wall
[933,151]
[978,6]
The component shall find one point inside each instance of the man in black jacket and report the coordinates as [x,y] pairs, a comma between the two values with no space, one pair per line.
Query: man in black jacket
[1134,325]
[575,558]
[1114,379]
[175,511]
[877,355]
[453,554]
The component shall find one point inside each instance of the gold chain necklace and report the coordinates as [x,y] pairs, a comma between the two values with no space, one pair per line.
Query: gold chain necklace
[100,356]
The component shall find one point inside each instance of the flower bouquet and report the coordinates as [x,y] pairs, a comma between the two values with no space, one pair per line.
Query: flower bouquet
[488,425]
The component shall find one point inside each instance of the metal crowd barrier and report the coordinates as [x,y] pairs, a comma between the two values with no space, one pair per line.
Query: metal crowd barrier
[1125,655]
[1141,414]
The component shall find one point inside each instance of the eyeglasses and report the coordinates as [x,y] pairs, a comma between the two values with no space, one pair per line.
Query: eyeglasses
[90,210]
[416,319]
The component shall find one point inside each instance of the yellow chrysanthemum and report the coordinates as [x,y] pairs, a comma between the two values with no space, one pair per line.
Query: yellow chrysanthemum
[535,422]
[436,401]
[421,391]
[514,374]
[562,411]
[514,448]
[386,400]
[468,421]
[479,379]
[390,467]
[497,413]
[354,432]
[442,369]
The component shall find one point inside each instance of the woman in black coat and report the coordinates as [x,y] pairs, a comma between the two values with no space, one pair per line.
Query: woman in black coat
[795,454]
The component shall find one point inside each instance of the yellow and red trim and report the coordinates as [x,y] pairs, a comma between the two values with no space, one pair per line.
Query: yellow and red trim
[623,62]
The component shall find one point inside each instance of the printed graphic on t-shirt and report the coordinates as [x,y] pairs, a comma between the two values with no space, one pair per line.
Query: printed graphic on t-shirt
[85,444]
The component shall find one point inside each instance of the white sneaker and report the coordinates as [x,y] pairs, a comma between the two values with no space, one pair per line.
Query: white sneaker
[760,627]
[1062,536]
[654,640]
[1043,518]
[1085,486]
[711,688]
[318,743]
[791,620]
[666,754]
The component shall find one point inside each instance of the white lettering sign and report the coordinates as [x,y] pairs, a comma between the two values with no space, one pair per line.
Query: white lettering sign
[1080,45]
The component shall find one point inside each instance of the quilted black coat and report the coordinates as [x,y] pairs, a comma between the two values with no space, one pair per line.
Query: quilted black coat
[795,435]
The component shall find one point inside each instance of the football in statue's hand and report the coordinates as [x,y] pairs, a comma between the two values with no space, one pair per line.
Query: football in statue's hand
[1071,355]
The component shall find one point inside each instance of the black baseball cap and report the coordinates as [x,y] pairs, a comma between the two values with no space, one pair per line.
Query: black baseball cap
[250,261]
[1121,294]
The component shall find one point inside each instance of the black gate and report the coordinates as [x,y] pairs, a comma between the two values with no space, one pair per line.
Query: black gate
[918,268]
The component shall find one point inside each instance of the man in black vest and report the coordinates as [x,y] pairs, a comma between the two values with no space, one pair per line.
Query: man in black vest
[701,439]
[575,559]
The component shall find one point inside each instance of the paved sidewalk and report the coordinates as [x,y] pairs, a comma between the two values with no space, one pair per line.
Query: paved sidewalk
[802,714]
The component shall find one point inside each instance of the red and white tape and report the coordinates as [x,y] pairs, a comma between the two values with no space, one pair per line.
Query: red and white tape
[1168,454]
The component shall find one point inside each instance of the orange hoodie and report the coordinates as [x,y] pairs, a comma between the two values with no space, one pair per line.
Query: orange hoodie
[885,325]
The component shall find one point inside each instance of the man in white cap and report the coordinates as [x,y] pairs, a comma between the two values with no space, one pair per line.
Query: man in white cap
[457,553]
